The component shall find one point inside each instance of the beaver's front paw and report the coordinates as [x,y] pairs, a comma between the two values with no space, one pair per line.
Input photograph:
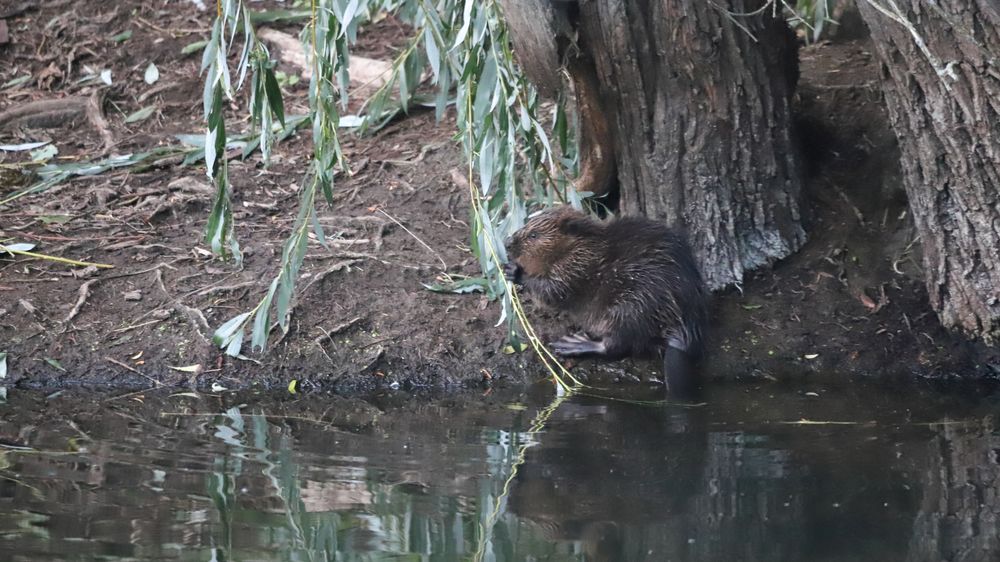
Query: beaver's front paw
[577,344]
[513,272]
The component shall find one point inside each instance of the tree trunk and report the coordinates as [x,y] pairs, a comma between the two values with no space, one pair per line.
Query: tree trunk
[701,117]
[941,79]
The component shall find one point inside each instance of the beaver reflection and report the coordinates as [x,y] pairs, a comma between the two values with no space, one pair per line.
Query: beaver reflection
[609,475]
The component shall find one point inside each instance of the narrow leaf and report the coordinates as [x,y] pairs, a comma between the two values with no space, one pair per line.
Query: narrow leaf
[274,95]
[224,332]
[141,115]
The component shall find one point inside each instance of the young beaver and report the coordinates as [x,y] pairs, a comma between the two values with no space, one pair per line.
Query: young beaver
[632,283]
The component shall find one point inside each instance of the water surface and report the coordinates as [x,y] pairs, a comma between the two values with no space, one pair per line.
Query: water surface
[860,473]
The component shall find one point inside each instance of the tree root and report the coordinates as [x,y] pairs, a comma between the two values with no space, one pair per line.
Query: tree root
[83,293]
[45,114]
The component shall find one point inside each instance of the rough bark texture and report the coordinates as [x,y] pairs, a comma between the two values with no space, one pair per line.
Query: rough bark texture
[941,79]
[534,29]
[702,123]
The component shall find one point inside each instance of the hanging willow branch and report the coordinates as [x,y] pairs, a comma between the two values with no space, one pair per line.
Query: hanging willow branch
[465,45]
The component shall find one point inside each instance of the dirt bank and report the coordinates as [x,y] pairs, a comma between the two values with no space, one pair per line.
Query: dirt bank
[850,303]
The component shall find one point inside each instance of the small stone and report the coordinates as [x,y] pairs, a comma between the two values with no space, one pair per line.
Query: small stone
[133,295]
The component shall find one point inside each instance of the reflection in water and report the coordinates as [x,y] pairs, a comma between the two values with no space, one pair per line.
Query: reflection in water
[900,476]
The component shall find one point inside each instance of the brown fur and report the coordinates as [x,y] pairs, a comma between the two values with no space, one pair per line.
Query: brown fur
[632,284]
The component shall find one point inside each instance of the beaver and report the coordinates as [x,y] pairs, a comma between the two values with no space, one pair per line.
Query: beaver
[631,283]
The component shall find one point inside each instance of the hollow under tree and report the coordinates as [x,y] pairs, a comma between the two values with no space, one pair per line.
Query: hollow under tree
[940,73]
[685,105]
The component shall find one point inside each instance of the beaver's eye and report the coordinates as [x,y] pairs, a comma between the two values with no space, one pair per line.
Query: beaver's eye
[533,236]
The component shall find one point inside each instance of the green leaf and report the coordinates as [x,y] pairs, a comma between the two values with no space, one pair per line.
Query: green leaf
[225,332]
[123,36]
[433,53]
[271,16]
[486,157]
[3,364]
[55,219]
[261,321]
[54,364]
[468,285]
[274,95]
[193,47]
[15,82]
[466,22]
[404,93]
[235,344]
[349,12]
[44,154]
[141,115]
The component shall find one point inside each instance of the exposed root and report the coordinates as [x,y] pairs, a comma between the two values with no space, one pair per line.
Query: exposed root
[95,114]
[82,294]
[195,318]
[44,114]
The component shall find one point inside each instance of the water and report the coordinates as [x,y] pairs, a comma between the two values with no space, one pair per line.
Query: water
[878,474]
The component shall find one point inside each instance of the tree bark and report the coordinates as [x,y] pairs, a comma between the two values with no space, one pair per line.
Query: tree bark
[941,80]
[700,98]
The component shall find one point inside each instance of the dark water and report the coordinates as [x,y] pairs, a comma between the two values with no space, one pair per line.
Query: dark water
[878,474]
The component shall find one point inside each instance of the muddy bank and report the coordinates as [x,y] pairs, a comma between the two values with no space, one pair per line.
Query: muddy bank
[850,303]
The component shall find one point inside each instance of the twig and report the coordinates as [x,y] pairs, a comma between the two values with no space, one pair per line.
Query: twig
[896,15]
[444,265]
[134,326]
[857,211]
[376,342]
[136,371]
[336,330]
[83,292]
[345,264]
[54,258]
[318,343]
[194,316]
[224,288]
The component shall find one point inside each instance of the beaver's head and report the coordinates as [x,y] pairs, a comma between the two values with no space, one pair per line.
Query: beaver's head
[546,239]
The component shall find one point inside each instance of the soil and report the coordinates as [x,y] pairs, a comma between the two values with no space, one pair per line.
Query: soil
[850,303]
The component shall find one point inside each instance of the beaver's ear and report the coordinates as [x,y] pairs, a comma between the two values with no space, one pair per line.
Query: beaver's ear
[574,224]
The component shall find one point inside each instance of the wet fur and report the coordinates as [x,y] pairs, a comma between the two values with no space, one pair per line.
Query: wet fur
[631,283]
